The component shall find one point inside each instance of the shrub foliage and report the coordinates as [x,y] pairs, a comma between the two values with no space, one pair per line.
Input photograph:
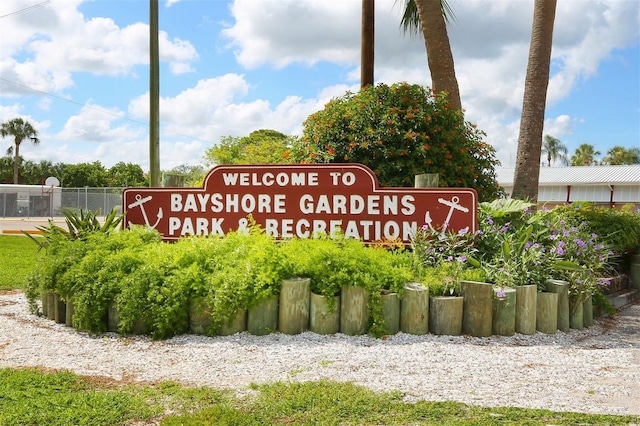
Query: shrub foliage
[152,282]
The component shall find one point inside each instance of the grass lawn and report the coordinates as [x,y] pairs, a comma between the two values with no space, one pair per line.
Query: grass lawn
[17,256]
[43,398]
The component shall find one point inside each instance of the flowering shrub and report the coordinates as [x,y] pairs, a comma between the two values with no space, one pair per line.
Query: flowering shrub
[400,131]
[518,247]
[432,247]
[512,243]
[587,260]
[440,259]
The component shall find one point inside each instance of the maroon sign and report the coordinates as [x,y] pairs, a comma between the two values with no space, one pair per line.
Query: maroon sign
[298,201]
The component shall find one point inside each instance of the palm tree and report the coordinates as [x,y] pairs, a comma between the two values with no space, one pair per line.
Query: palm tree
[527,173]
[20,130]
[367,43]
[620,155]
[430,17]
[555,150]
[585,155]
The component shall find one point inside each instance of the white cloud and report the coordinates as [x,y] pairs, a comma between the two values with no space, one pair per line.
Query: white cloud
[281,32]
[49,44]
[95,124]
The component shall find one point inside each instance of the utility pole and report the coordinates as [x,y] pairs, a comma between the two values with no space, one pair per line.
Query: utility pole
[154,96]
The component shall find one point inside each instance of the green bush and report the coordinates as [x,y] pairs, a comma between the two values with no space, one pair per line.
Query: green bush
[150,283]
[400,131]
[618,229]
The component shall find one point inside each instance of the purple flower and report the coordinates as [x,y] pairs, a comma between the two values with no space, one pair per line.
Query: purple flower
[490,221]
[462,259]
[560,251]
[501,294]
[425,227]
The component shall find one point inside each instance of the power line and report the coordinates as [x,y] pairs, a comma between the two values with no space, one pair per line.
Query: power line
[119,116]
[26,9]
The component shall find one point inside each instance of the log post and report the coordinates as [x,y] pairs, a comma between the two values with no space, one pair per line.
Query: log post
[426,180]
[293,316]
[526,308]
[263,318]
[504,312]
[235,324]
[445,315]
[69,311]
[576,321]
[354,310]
[562,288]
[587,310]
[391,312]
[51,305]
[414,309]
[60,307]
[478,307]
[324,320]
[547,313]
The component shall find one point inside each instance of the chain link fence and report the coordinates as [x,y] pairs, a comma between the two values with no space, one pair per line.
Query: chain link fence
[45,201]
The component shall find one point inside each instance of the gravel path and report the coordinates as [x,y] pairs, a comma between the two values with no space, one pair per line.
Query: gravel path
[596,370]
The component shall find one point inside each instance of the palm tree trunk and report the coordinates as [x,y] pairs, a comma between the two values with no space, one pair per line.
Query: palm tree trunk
[16,163]
[527,173]
[367,43]
[439,56]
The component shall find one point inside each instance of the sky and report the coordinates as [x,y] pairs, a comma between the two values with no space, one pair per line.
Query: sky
[78,71]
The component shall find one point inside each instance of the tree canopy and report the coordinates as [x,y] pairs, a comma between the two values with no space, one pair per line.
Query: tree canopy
[20,130]
[260,147]
[400,131]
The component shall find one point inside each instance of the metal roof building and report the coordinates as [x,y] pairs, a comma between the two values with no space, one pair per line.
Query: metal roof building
[612,186]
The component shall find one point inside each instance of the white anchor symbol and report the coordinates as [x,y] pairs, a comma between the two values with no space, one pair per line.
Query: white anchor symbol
[453,205]
[140,202]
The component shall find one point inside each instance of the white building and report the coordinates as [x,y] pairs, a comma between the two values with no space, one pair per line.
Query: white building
[611,186]
[29,200]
